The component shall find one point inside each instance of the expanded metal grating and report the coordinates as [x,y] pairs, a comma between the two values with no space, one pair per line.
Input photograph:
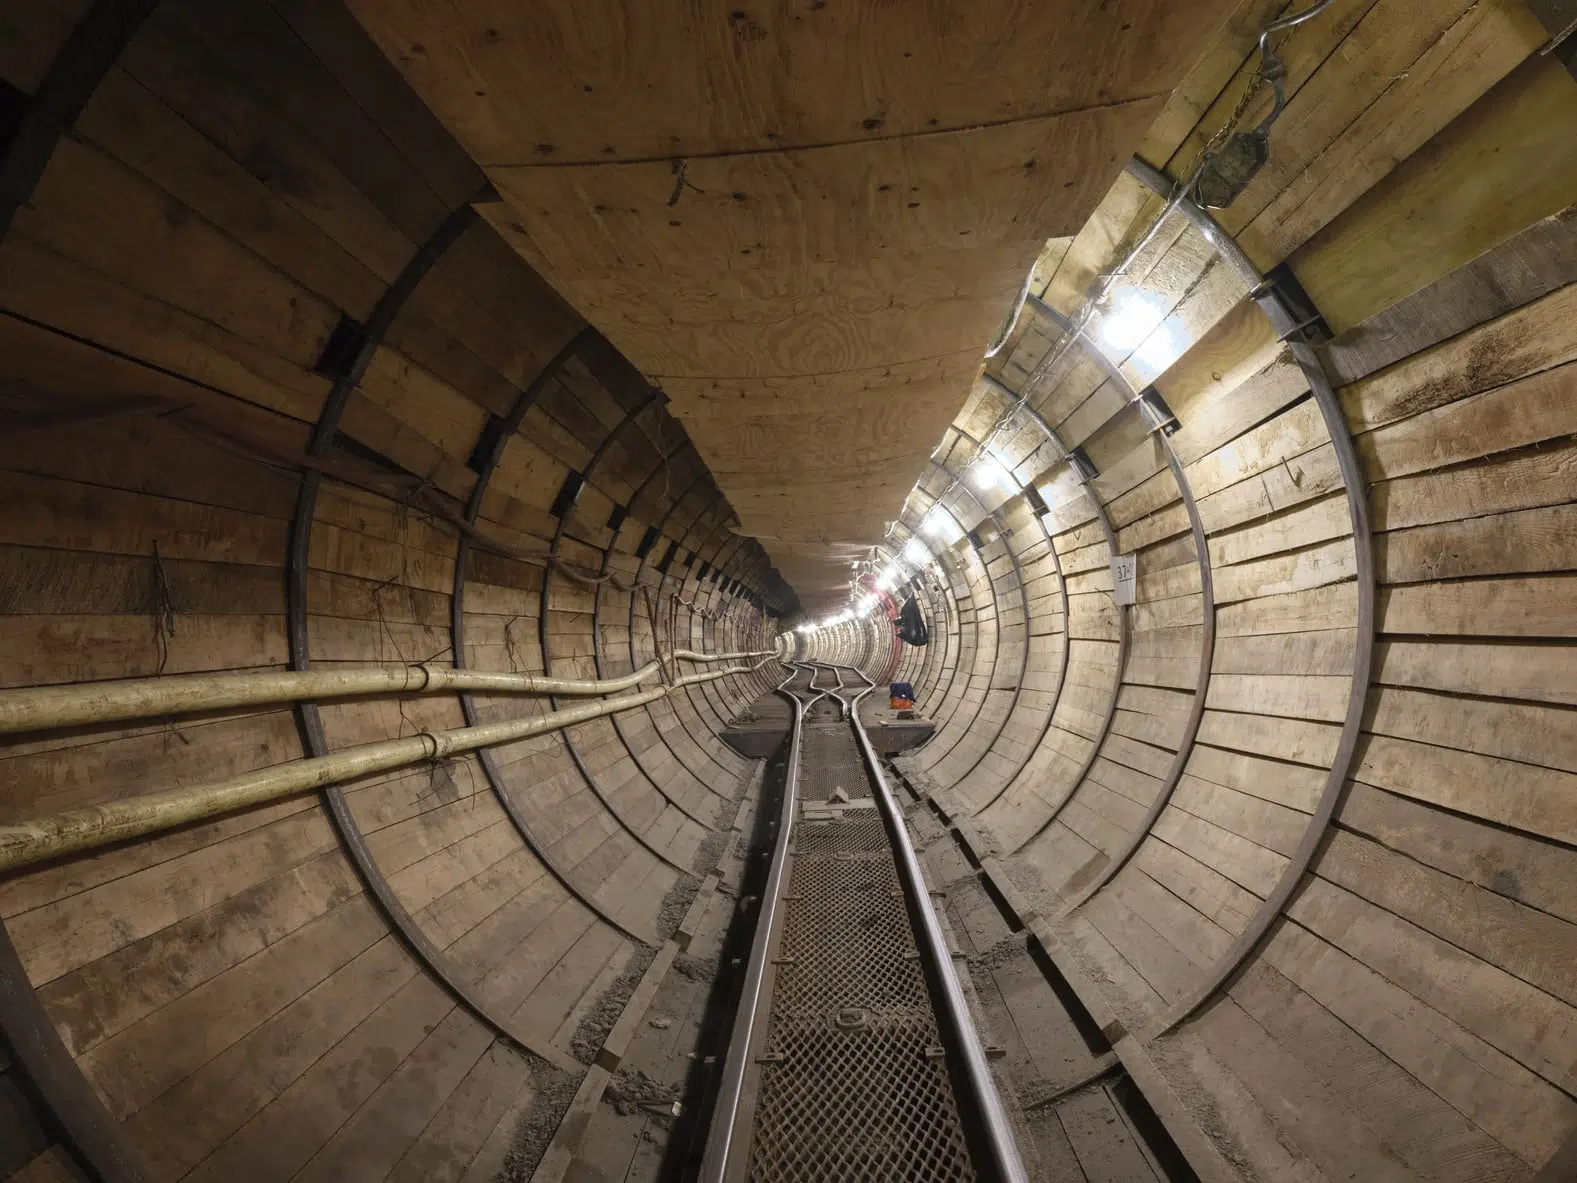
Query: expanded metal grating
[860,830]
[857,1105]
[830,760]
[852,1084]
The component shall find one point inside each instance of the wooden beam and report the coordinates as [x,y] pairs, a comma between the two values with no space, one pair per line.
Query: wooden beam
[94,1136]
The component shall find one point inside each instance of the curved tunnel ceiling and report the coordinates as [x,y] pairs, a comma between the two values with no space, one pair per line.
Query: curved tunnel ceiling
[1269,870]
[802,220]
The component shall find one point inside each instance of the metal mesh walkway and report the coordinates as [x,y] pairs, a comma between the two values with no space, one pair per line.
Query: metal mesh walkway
[853,1085]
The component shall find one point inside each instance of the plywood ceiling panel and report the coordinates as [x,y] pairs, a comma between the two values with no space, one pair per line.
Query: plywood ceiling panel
[804,220]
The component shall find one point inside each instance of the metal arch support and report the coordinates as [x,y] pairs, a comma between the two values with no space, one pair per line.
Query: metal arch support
[547,660]
[708,689]
[1207,638]
[490,771]
[931,675]
[1023,593]
[1123,631]
[662,582]
[1062,671]
[1104,521]
[400,920]
[89,53]
[1287,326]
[952,676]
[596,641]
[938,687]
[660,525]
[95,1139]
[1018,574]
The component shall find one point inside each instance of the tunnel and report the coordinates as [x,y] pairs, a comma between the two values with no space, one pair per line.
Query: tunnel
[604,591]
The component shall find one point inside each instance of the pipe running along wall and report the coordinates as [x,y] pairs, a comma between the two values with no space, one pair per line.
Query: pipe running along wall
[1295,824]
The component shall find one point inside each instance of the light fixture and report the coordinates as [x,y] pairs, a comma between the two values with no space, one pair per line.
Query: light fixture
[1161,348]
[991,472]
[916,553]
[1134,315]
[941,525]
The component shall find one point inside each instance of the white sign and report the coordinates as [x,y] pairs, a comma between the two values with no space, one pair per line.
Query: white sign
[1125,570]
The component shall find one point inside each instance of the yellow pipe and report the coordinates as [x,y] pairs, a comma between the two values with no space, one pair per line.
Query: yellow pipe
[42,708]
[77,830]
[691,655]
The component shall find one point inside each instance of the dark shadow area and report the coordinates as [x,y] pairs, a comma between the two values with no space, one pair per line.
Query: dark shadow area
[682,1157]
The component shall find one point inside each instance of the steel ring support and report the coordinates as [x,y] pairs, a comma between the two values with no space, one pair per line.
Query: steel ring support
[1288,327]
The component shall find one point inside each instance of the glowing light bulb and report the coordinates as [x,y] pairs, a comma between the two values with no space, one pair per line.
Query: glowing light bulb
[916,553]
[1135,314]
[1160,349]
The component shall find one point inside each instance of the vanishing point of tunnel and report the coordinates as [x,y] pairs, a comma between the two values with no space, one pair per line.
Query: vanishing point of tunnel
[627,591]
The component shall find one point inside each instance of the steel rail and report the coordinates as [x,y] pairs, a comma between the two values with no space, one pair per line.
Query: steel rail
[723,1143]
[981,1098]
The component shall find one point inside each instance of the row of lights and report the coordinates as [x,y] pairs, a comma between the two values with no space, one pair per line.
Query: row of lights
[1136,326]
[862,608]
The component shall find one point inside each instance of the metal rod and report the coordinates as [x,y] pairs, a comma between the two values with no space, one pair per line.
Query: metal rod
[1282,320]
[49,707]
[691,655]
[99,825]
[721,1140]
[995,1126]
[1207,635]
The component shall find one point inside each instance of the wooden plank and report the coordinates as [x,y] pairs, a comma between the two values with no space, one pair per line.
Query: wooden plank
[1543,475]
[1409,1124]
[1532,799]
[1519,867]
[1528,606]
[1528,340]
[1522,1112]
[1522,127]
[456,1139]
[1395,82]
[1517,272]
[1525,1023]
[1534,946]
[1314,1117]
[1106,1149]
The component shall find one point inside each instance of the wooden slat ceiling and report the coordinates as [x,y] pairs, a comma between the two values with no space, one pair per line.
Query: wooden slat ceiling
[804,221]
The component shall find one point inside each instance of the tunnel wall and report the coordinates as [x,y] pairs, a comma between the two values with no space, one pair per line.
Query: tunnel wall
[273,387]
[1299,817]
